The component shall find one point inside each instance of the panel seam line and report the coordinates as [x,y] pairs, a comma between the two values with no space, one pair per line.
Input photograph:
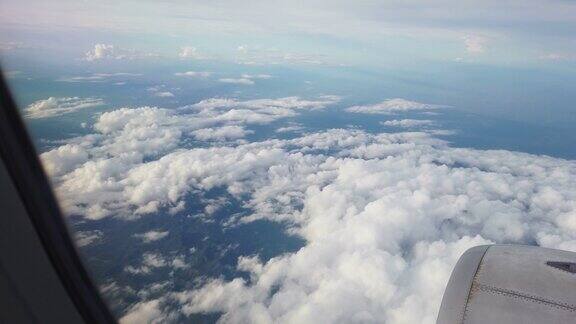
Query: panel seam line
[527,297]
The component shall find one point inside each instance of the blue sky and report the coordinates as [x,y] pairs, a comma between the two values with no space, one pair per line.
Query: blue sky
[381,33]
[524,51]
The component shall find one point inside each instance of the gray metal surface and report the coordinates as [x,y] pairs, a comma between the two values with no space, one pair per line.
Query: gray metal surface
[511,284]
[456,294]
[30,290]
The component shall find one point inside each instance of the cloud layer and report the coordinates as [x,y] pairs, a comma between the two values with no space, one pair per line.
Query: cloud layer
[384,216]
[385,219]
[93,171]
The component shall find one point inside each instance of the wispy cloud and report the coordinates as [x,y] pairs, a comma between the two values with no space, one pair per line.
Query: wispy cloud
[53,106]
[246,79]
[194,74]
[85,238]
[558,56]
[390,106]
[164,94]
[408,123]
[100,77]
[265,56]
[160,91]
[154,261]
[243,81]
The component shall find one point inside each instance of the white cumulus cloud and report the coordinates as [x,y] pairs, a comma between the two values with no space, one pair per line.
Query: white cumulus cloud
[89,171]
[152,261]
[384,224]
[221,133]
[152,236]
[102,51]
[144,312]
[112,52]
[291,127]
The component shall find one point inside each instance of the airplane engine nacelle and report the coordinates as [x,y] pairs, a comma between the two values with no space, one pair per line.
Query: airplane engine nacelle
[508,284]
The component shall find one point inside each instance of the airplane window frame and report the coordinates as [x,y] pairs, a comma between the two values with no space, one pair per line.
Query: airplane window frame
[21,159]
